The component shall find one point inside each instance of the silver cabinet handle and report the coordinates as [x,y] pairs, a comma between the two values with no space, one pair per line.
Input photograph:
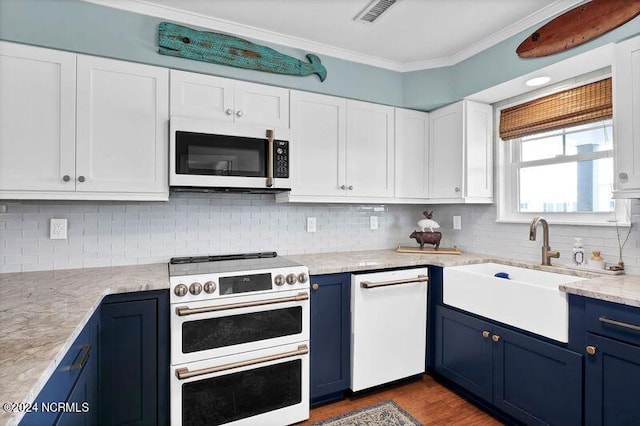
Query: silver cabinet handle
[184,373]
[371,284]
[350,187]
[457,189]
[619,323]
[623,176]
[66,178]
[343,187]
[239,113]
[270,165]
[81,179]
[185,310]
[228,111]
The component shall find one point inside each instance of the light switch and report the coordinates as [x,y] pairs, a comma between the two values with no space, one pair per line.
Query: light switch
[457,222]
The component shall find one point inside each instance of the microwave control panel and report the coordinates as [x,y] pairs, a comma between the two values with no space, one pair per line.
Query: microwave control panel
[281,159]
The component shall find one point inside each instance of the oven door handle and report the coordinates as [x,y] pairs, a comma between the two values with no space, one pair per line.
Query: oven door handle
[184,373]
[185,310]
[371,284]
[270,165]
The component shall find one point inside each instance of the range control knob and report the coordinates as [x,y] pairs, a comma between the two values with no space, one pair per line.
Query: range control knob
[292,279]
[195,288]
[209,287]
[180,290]
[279,280]
[303,278]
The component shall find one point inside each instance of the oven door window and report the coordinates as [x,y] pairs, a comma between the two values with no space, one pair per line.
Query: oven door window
[236,396]
[220,155]
[212,333]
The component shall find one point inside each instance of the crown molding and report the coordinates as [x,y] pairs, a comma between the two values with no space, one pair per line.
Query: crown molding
[191,18]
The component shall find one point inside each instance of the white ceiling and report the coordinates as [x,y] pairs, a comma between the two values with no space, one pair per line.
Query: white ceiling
[411,35]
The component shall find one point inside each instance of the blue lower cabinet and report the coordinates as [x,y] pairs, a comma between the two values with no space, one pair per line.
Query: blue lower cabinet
[535,381]
[134,359]
[330,336]
[70,396]
[612,382]
[529,379]
[462,352]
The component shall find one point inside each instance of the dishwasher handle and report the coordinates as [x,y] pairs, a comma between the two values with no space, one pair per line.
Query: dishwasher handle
[371,284]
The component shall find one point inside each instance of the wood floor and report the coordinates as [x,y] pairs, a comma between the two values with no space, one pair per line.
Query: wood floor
[425,399]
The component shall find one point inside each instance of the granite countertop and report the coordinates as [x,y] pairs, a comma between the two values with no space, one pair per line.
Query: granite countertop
[43,312]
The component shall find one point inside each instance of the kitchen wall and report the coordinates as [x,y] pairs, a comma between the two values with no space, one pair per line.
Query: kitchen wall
[128,233]
[83,27]
[480,233]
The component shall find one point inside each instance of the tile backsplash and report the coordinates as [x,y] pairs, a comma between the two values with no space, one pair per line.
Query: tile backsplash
[127,233]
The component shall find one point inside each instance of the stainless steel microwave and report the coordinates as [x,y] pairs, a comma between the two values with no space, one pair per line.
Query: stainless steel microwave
[219,155]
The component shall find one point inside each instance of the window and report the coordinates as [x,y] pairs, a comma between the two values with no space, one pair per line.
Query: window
[557,161]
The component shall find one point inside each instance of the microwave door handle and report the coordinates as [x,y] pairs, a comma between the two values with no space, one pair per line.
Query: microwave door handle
[269,158]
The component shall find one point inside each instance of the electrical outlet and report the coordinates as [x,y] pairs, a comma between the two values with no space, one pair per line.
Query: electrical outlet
[457,222]
[311,224]
[58,229]
[373,222]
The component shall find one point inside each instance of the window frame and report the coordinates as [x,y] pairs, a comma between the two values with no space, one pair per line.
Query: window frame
[507,172]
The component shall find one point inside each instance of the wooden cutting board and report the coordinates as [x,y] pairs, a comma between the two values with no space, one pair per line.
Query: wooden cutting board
[430,250]
[578,25]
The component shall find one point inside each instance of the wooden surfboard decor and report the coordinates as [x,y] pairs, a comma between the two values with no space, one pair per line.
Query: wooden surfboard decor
[223,49]
[577,26]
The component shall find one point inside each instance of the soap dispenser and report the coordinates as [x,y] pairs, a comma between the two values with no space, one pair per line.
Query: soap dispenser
[578,252]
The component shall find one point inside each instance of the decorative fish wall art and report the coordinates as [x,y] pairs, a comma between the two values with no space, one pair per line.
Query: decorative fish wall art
[223,49]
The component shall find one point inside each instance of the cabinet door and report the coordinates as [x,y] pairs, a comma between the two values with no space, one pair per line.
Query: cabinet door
[612,382]
[201,96]
[330,336]
[37,118]
[129,390]
[626,121]
[445,152]
[370,150]
[478,158]
[122,127]
[318,150]
[534,381]
[463,351]
[261,105]
[412,154]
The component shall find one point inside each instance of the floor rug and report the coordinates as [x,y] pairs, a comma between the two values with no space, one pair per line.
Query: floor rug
[386,413]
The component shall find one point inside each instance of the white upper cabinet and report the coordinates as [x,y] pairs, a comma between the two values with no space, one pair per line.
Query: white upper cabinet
[105,140]
[122,128]
[214,98]
[411,154]
[37,119]
[342,150]
[318,149]
[461,153]
[626,119]
[370,150]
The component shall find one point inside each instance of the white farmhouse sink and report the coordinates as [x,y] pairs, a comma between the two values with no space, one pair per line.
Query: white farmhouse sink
[529,300]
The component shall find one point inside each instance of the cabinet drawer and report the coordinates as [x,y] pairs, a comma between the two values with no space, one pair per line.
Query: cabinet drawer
[608,319]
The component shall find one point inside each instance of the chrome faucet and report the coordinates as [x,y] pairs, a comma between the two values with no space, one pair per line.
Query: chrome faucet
[547,253]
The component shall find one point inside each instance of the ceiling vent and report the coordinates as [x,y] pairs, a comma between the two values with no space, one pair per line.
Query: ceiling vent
[374,10]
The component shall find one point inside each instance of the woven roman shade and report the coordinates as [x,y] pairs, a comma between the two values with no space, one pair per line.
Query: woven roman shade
[591,102]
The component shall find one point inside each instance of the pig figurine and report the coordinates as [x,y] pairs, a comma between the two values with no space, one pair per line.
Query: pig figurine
[427,223]
[427,238]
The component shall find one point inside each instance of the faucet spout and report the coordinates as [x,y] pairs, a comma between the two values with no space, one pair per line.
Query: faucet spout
[547,253]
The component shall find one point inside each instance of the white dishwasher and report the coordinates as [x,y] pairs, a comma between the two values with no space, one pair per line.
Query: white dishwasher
[388,326]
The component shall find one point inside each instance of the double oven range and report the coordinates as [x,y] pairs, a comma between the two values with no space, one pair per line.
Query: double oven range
[239,340]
